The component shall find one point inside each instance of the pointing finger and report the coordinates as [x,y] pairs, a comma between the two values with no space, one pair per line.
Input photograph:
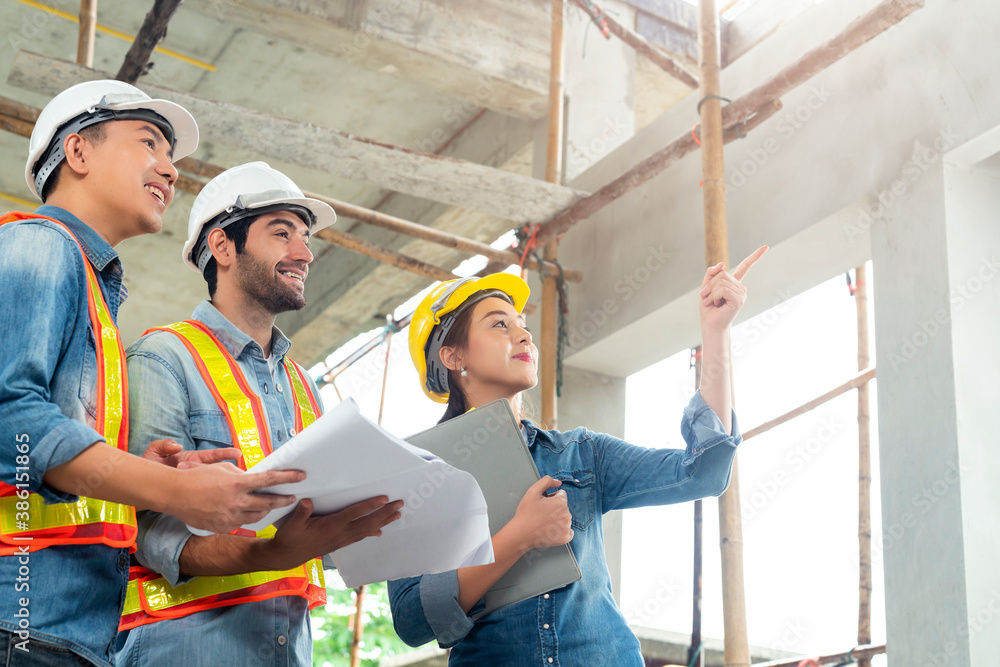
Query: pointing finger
[745,265]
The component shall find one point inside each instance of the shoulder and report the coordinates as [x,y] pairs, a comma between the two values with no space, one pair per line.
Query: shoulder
[39,251]
[158,344]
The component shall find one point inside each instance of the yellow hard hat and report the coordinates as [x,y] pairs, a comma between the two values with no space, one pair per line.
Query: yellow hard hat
[429,325]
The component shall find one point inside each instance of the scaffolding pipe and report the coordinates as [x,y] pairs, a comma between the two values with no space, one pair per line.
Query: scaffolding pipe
[88,33]
[696,656]
[857,381]
[736,645]
[358,627]
[644,48]
[553,174]
[862,30]
[857,653]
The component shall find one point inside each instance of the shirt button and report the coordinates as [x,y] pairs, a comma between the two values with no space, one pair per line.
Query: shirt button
[546,596]
[282,640]
[575,480]
[278,388]
[550,659]
[546,626]
[291,433]
[265,387]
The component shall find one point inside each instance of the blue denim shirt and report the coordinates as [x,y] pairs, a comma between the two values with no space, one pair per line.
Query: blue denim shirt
[48,391]
[579,624]
[169,399]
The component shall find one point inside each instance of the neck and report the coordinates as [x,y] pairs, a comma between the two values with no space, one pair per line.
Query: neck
[246,314]
[478,397]
[90,214]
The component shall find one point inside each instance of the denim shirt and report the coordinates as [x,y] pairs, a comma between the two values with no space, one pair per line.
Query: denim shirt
[169,399]
[579,624]
[48,391]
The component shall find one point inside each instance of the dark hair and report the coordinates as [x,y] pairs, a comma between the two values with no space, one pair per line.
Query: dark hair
[458,336]
[95,134]
[237,233]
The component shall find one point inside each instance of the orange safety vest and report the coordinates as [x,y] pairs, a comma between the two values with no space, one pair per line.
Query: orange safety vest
[150,597]
[26,521]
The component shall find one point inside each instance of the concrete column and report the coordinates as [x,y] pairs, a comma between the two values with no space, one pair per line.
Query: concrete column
[936,252]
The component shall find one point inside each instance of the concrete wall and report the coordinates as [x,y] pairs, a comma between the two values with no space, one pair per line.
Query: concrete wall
[840,141]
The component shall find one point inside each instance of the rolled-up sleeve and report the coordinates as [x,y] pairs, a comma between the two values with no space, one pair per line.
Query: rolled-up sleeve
[158,408]
[426,608]
[633,476]
[42,269]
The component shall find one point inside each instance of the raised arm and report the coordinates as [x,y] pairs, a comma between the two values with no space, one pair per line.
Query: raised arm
[722,296]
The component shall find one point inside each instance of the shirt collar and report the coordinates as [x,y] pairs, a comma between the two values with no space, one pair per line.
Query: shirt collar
[98,251]
[234,339]
[535,433]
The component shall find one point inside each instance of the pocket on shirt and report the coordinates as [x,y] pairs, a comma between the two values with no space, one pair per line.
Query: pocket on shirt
[88,377]
[579,488]
[210,427]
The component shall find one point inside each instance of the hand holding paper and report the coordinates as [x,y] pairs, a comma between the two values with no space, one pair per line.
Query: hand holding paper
[443,523]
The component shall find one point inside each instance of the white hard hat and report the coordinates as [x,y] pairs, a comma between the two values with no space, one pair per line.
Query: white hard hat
[93,102]
[241,192]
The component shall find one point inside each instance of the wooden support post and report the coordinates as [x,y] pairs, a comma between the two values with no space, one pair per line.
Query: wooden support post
[154,29]
[644,48]
[857,653]
[390,222]
[696,656]
[358,627]
[864,471]
[553,174]
[385,372]
[88,33]
[858,380]
[737,647]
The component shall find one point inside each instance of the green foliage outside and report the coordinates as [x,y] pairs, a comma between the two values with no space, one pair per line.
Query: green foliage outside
[333,630]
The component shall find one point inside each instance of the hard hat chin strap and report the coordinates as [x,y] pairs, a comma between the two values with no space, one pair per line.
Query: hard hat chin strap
[54,153]
[437,373]
[201,252]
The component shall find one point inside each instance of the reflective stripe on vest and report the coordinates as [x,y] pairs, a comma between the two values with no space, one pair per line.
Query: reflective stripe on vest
[150,597]
[25,519]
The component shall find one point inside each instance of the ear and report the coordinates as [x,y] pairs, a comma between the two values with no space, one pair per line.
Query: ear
[451,358]
[223,250]
[77,150]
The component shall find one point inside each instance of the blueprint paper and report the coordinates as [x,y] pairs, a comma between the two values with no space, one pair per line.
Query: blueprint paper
[347,459]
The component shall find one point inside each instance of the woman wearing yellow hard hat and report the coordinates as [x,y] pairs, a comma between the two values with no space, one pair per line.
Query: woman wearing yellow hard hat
[469,342]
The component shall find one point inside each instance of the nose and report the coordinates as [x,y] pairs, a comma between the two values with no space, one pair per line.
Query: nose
[523,335]
[300,251]
[167,169]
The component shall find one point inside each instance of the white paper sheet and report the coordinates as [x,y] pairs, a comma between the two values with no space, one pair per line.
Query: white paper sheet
[347,459]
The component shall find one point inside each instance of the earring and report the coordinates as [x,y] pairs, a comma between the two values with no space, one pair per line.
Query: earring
[465,373]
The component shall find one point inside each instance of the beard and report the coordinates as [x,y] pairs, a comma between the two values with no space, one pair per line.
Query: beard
[259,281]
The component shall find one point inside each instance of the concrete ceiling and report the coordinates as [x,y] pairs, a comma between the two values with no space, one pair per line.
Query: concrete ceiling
[405,72]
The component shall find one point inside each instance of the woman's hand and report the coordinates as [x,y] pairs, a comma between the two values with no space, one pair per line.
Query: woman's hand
[722,294]
[541,520]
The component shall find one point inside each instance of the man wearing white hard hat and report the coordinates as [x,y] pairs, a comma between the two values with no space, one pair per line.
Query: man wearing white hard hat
[220,379]
[100,158]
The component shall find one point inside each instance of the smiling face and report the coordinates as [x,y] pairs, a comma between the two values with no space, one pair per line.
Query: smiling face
[273,267]
[499,357]
[128,177]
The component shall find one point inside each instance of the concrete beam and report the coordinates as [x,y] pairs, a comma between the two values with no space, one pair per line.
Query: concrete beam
[348,294]
[493,51]
[447,180]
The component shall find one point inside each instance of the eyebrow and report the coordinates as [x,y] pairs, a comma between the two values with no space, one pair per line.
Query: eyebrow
[505,314]
[160,139]
[285,222]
